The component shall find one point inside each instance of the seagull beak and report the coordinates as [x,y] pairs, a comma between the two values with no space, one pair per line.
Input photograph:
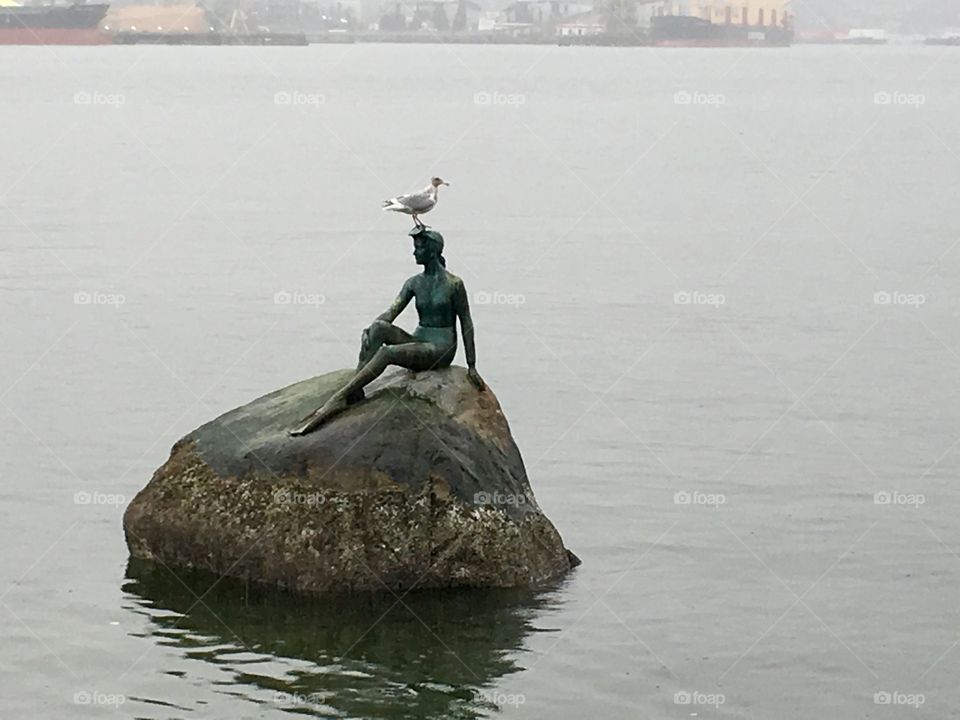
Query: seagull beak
[447,184]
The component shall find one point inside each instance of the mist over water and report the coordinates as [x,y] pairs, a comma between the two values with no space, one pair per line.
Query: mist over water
[715,292]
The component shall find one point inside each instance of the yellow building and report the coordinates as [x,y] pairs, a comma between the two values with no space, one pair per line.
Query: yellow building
[742,12]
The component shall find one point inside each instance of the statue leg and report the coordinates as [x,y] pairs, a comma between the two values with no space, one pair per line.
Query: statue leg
[381,333]
[412,355]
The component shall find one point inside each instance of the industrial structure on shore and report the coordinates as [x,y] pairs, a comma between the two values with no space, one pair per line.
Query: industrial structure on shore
[694,22]
[659,23]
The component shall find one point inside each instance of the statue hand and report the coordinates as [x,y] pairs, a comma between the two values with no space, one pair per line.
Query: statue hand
[475,378]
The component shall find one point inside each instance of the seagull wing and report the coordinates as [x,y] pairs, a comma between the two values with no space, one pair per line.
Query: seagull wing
[418,202]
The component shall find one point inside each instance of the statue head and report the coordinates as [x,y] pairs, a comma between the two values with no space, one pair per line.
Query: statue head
[427,246]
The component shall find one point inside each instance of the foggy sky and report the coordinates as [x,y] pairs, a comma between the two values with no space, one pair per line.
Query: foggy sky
[896,15]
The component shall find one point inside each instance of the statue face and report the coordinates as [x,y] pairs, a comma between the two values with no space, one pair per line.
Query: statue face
[423,251]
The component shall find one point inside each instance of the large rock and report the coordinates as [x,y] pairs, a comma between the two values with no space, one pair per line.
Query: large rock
[421,484]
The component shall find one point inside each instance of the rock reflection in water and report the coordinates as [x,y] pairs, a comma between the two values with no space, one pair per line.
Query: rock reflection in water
[433,654]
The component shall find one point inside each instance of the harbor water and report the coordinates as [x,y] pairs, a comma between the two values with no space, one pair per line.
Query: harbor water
[716,293]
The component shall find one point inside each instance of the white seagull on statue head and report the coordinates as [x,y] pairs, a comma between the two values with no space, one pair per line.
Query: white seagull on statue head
[416,204]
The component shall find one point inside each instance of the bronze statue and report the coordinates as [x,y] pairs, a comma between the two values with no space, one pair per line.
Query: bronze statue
[441,299]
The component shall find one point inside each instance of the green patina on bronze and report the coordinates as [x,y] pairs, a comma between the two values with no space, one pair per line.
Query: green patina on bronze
[441,300]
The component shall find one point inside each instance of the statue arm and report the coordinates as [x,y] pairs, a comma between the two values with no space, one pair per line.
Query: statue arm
[398,305]
[466,328]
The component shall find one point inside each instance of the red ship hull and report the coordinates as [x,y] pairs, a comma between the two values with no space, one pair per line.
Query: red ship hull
[53,36]
[77,24]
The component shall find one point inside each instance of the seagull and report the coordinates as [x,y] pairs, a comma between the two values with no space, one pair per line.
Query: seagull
[418,203]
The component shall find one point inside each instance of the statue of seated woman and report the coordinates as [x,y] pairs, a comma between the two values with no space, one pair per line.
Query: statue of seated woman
[441,299]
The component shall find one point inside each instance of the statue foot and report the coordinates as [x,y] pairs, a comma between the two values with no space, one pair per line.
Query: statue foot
[330,408]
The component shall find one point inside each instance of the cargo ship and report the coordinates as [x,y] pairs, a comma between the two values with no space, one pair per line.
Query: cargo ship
[689,31]
[77,24]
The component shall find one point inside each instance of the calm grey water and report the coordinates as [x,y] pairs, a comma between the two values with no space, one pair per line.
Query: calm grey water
[677,305]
